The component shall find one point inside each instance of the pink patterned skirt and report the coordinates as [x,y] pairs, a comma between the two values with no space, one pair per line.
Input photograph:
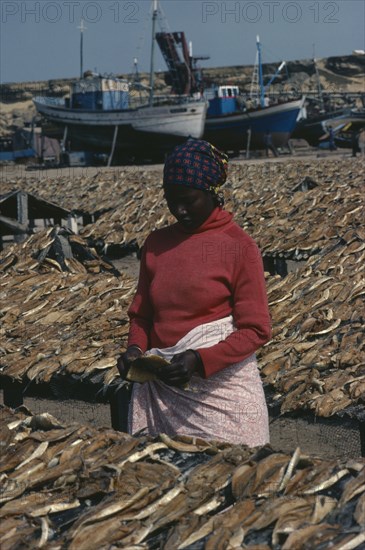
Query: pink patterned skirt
[228,406]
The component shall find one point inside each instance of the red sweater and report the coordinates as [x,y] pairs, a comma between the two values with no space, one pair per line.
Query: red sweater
[188,278]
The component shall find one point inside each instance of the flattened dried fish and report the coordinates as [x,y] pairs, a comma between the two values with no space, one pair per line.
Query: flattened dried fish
[327,483]
[145,368]
[197,445]
[53,508]
[147,451]
[37,453]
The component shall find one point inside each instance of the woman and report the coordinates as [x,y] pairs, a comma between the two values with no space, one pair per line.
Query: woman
[200,303]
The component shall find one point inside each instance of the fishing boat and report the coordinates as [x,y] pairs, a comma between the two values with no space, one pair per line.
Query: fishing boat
[14,148]
[105,114]
[342,121]
[320,118]
[235,122]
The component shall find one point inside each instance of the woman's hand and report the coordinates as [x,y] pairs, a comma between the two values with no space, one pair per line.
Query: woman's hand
[126,359]
[181,369]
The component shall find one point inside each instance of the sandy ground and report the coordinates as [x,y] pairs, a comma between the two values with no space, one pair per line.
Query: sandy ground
[6,108]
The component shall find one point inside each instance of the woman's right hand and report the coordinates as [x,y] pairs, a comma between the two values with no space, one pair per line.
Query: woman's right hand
[126,359]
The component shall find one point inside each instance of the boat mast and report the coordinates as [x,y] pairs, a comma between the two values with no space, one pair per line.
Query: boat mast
[136,77]
[261,80]
[82,29]
[319,87]
[258,68]
[154,17]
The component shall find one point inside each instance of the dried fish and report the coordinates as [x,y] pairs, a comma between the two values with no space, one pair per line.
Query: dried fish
[142,454]
[163,501]
[53,508]
[359,513]
[37,453]
[45,533]
[327,483]
[193,445]
[353,487]
[146,368]
[327,292]
[290,469]
[329,329]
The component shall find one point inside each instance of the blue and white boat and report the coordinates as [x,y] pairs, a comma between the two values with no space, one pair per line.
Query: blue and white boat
[102,115]
[105,115]
[16,147]
[235,122]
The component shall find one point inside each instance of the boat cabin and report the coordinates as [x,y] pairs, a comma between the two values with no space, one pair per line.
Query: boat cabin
[99,93]
[17,146]
[222,100]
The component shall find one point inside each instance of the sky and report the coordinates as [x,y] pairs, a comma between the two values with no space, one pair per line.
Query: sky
[40,39]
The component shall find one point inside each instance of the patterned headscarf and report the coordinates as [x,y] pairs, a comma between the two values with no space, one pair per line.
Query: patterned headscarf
[198,164]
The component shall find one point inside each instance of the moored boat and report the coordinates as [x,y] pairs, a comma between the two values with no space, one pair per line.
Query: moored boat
[313,128]
[102,112]
[236,122]
[105,115]
[231,126]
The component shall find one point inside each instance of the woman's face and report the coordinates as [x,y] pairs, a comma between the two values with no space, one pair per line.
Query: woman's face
[191,207]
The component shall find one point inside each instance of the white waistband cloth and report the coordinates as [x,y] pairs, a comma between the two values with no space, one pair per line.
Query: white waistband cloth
[228,406]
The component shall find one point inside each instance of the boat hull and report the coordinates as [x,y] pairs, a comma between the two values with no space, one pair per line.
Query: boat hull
[231,132]
[155,128]
[314,128]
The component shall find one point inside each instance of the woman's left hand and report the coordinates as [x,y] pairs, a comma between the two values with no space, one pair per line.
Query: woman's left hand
[181,369]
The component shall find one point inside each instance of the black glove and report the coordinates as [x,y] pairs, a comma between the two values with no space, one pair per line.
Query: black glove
[181,369]
[125,360]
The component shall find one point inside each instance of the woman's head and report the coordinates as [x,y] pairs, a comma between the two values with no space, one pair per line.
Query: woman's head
[191,207]
[193,174]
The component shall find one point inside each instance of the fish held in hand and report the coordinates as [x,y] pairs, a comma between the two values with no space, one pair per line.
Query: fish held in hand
[146,368]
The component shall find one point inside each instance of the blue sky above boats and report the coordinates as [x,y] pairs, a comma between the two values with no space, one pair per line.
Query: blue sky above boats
[40,40]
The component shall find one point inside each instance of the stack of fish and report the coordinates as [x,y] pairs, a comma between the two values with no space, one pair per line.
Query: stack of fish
[55,248]
[290,208]
[294,209]
[132,222]
[61,315]
[70,323]
[75,323]
[84,193]
[316,359]
[77,487]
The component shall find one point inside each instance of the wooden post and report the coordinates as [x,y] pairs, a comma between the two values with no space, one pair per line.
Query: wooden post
[281,267]
[63,142]
[248,143]
[22,207]
[13,392]
[72,223]
[119,404]
[362,437]
[113,146]
[22,213]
